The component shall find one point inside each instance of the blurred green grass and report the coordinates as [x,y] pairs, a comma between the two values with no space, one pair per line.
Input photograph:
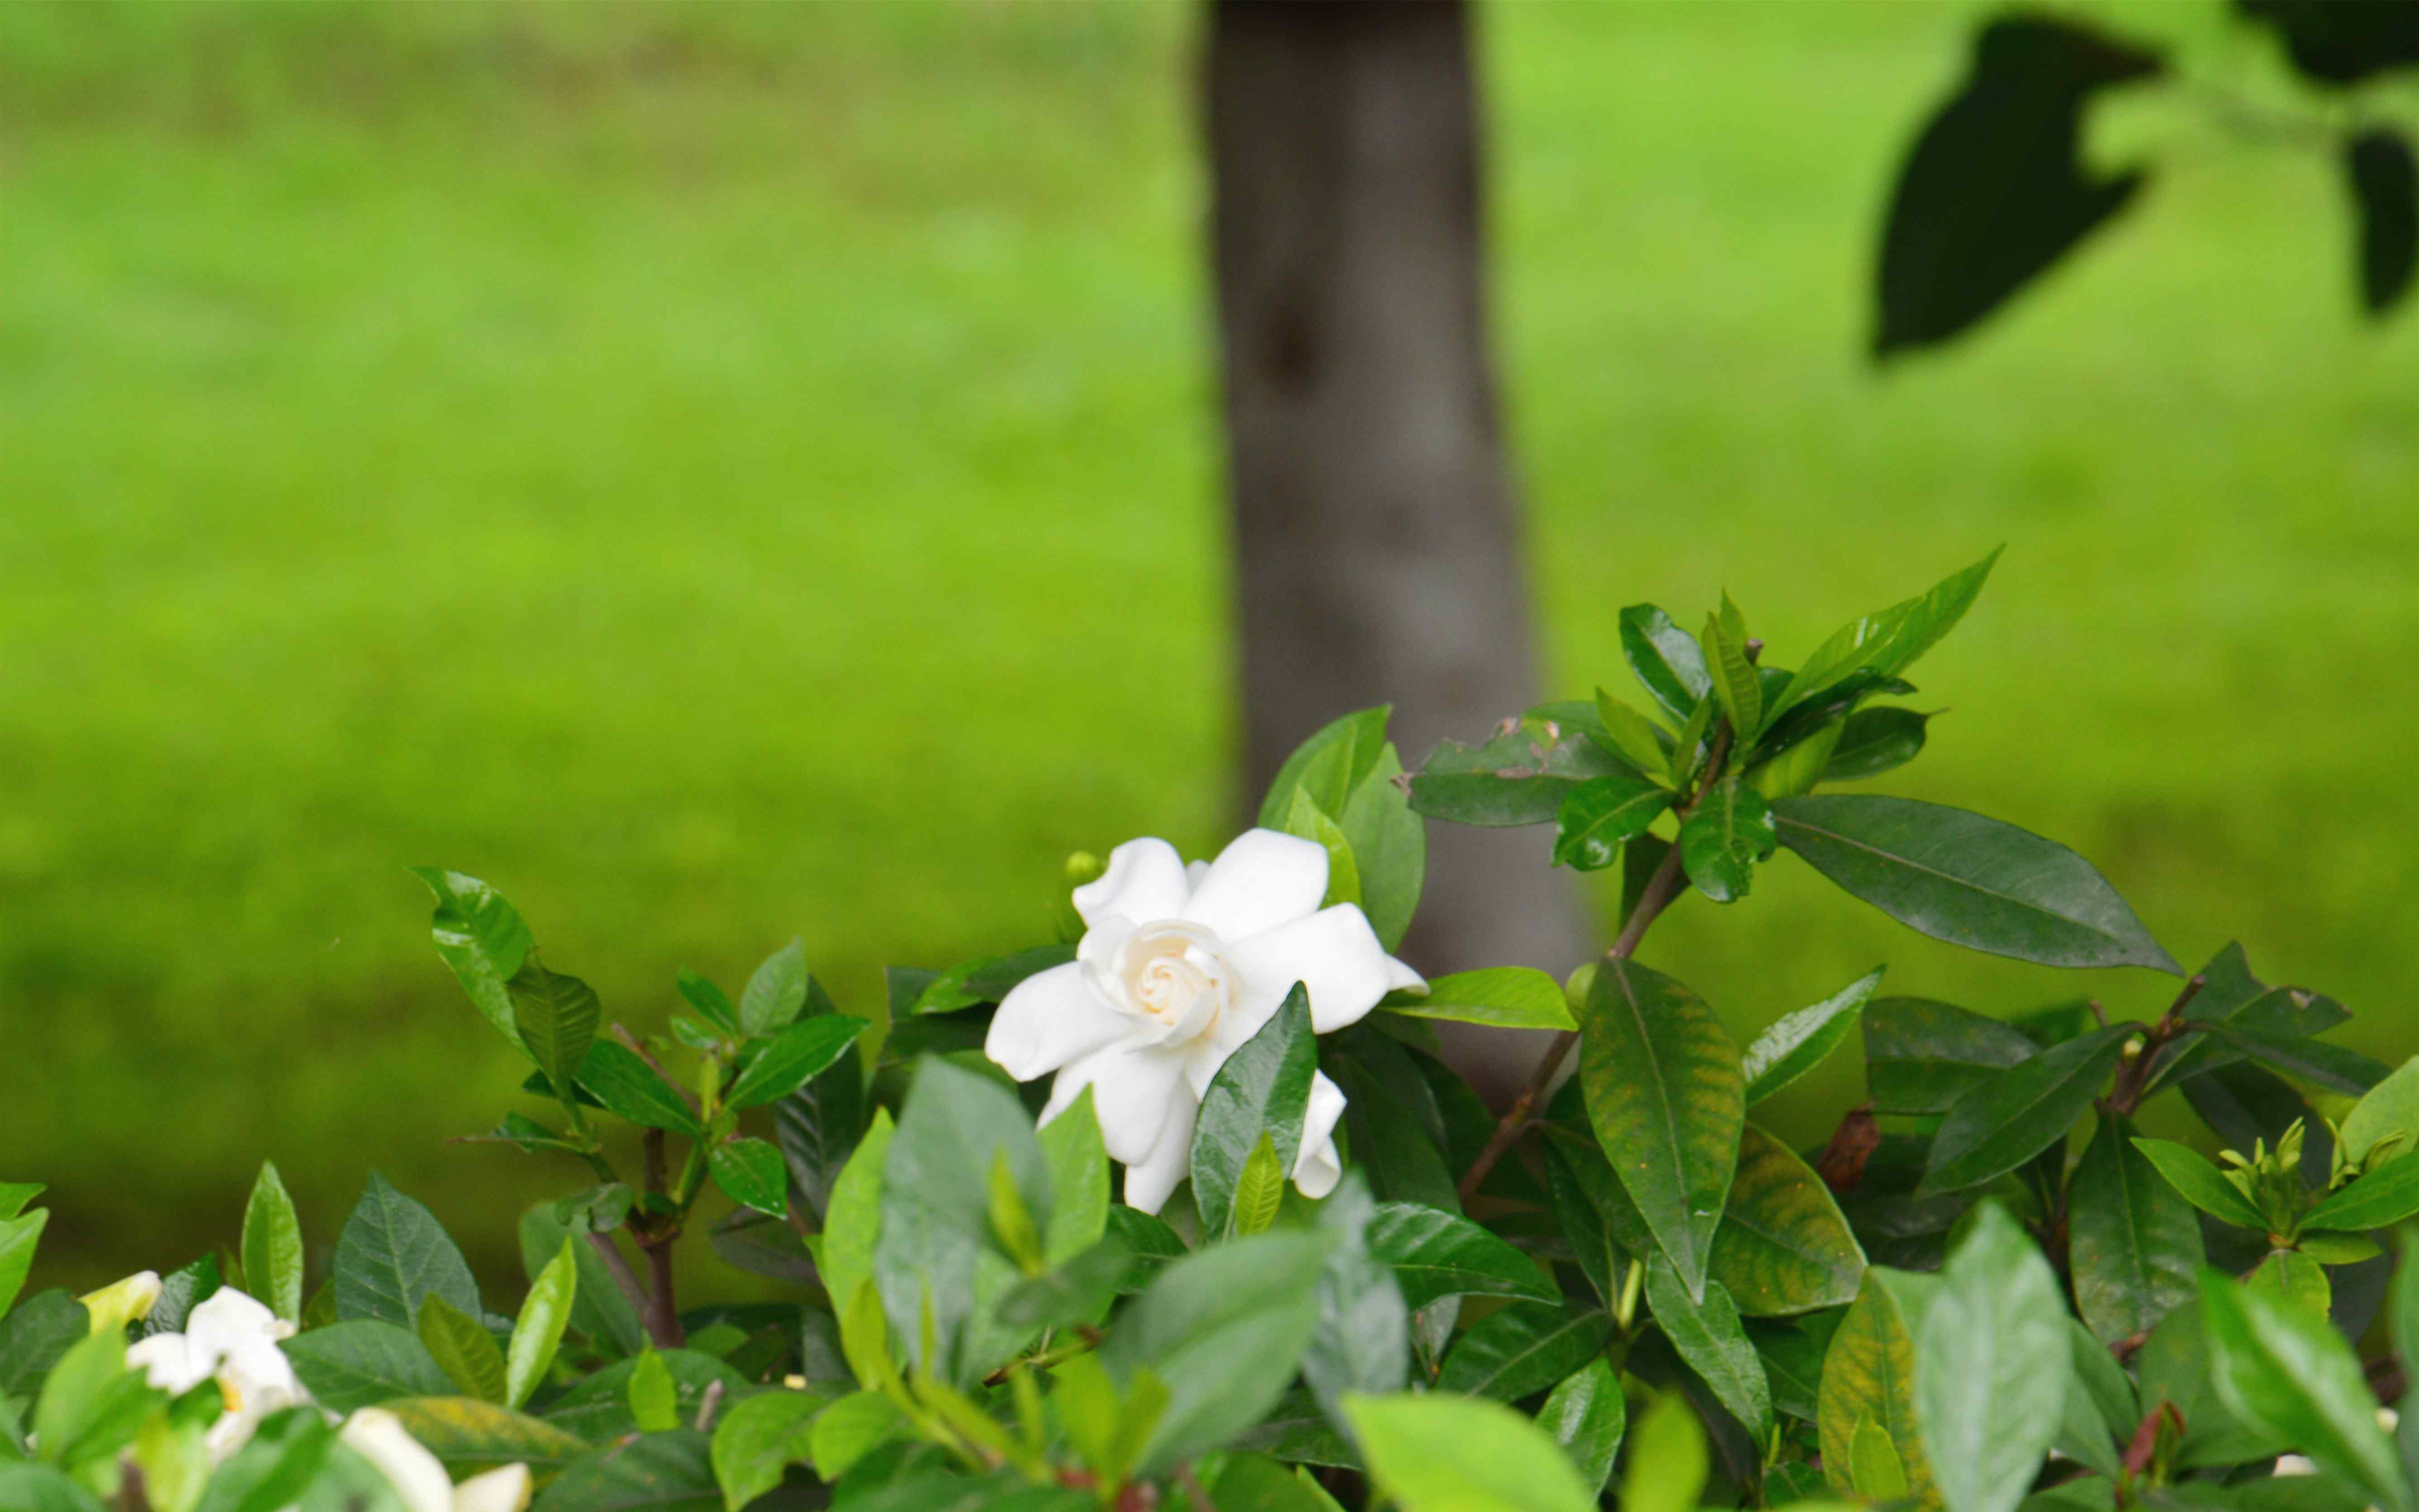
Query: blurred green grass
[729,472]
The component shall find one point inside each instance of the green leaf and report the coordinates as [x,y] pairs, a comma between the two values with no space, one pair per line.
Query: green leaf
[2134,1246]
[1509,997]
[91,1404]
[1666,1099]
[2402,1320]
[1734,679]
[1587,1414]
[757,1439]
[2293,1276]
[852,1427]
[1668,661]
[464,1350]
[1708,1338]
[776,995]
[2286,1371]
[1308,821]
[481,937]
[1874,741]
[1921,1056]
[1363,1342]
[654,1401]
[34,1337]
[777,1067]
[392,1255]
[2022,1111]
[598,1408]
[1389,845]
[1667,1459]
[1993,1362]
[273,1247]
[1437,1254]
[15,1194]
[1263,1088]
[281,1458]
[2201,1183]
[1690,748]
[1971,881]
[600,1308]
[1601,815]
[537,1333]
[1257,1191]
[1783,1246]
[2389,1108]
[28,1487]
[854,1219]
[2331,1066]
[1445,1454]
[750,1171]
[1642,742]
[2099,1404]
[1078,1291]
[986,980]
[1519,776]
[1720,842]
[1225,1331]
[2384,1196]
[1869,1371]
[1889,640]
[1522,1349]
[1795,1044]
[659,1473]
[620,1079]
[368,1363]
[18,1238]
[1798,766]
[1329,766]
[1873,1465]
[1079,1180]
[556,1016]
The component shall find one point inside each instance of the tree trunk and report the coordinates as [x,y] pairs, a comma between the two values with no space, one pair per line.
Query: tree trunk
[1376,539]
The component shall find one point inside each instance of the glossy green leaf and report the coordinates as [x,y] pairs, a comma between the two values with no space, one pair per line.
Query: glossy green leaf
[1437,1254]
[1668,661]
[1601,815]
[1690,750]
[600,1308]
[1874,741]
[1516,777]
[1263,1088]
[1522,1349]
[35,1335]
[750,1171]
[1993,1364]
[1795,1044]
[392,1254]
[1720,842]
[273,1247]
[2286,1371]
[1709,1338]
[2201,1183]
[366,1363]
[658,1473]
[2295,1276]
[556,1017]
[2389,1108]
[777,1067]
[1922,1055]
[1889,640]
[1798,766]
[1792,1351]
[1224,1331]
[1079,1180]
[1783,1246]
[1258,1191]
[1329,766]
[757,1439]
[480,936]
[1362,1343]
[1971,881]
[1308,821]
[776,993]
[1577,1160]
[19,1235]
[15,1194]
[986,980]
[1586,1414]
[2331,1066]
[2023,1110]
[1668,1462]
[2380,1199]
[1666,1099]
[1390,846]
[1509,997]
[1869,1371]
[1444,1454]
[616,1076]
[1641,741]
[537,1333]
[463,1349]
[2134,1247]
[1734,677]
[819,1124]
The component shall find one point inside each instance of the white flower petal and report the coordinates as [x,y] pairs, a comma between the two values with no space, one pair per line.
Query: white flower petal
[1260,880]
[169,1363]
[419,1480]
[506,1490]
[1049,1019]
[1132,1087]
[1145,882]
[1318,1168]
[1334,952]
[1148,1182]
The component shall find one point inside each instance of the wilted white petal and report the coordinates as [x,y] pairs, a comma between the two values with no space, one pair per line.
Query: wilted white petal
[1149,1181]
[1145,881]
[1318,1168]
[1049,1019]
[495,1491]
[1260,880]
[1334,952]
[419,1480]
[1131,1087]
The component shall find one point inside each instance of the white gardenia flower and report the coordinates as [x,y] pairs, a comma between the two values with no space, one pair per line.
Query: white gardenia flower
[1177,968]
[419,1477]
[234,1338]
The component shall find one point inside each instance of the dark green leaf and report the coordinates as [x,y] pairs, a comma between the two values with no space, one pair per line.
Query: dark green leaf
[1795,1044]
[987,981]
[1792,1351]
[1263,1088]
[776,995]
[819,1125]
[757,1439]
[2023,1110]
[654,1473]
[2134,1246]
[556,1017]
[2384,1196]
[2201,1183]
[775,1068]
[18,1238]
[1522,1349]
[481,937]
[1519,776]
[1579,1160]
[1708,1336]
[1665,1095]
[2174,1367]
[2331,1066]
[1391,1118]
[599,1308]
[598,1408]
[1150,1243]
[272,1246]
[1586,1414]
[1720,844]
[1329,766]
[2285,1371]
[1993,1362]
[1437,1254]
[1362,1343]
[1509,997]
[364,1364]
[1666,659]
[2384,183]
[1922,1055]
[749,1172]
[1874,741]
[393,1253]
[625,1082]
[1601,815]
[1783,1246]
[1390,847]
[2227,988]
[1639,860]
[35,1335]
[1971,881]
[181,1291]
[1867,1376]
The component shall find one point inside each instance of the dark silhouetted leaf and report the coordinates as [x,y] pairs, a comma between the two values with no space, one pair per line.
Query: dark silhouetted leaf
[2343,42]
[2385,187]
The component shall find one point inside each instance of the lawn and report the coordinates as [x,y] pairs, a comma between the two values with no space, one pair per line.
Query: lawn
[729,473]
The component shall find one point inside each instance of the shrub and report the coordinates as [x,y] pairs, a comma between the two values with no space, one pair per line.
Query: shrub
[1183,1209]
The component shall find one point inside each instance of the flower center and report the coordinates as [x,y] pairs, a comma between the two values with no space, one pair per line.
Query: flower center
[1172,974]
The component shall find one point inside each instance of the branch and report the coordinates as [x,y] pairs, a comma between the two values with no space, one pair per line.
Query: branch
[618,1265]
